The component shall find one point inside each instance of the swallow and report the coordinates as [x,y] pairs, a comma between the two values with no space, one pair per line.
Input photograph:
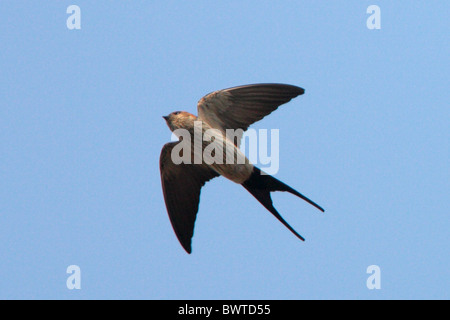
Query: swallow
[234,108]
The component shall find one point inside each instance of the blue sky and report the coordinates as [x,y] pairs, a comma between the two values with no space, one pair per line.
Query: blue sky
[81,133]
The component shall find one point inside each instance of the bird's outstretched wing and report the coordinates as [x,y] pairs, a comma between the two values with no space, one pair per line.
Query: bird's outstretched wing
[239,107]
[181,186]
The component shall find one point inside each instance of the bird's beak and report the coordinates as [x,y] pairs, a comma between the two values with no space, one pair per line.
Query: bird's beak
[166,118]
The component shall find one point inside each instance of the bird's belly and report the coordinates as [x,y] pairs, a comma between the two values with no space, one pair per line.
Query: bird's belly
[221,155]
[238,173]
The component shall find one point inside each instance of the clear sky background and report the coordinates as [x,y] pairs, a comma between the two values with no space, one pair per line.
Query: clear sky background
[81,133]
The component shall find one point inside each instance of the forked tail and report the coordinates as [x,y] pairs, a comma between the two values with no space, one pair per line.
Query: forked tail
[260,186]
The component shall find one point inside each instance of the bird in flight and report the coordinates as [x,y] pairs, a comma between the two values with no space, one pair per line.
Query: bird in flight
[232,109]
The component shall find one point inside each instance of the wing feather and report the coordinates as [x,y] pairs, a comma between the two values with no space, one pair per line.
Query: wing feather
[181,186]
[239,107]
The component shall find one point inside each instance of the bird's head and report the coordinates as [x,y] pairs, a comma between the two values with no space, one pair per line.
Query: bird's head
[180,120]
